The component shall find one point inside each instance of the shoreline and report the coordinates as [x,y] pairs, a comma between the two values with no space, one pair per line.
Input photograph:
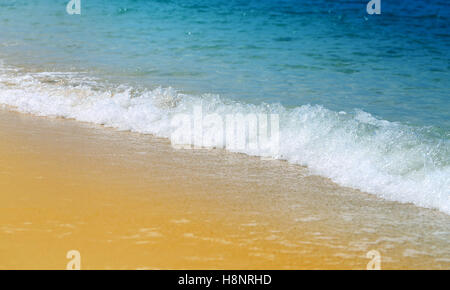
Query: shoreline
[354,149]
[127,201]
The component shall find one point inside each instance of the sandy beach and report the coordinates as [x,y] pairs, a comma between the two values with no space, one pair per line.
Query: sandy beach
[131,201]
[311,135]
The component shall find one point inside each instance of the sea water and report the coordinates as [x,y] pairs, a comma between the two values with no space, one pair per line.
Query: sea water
[362,99]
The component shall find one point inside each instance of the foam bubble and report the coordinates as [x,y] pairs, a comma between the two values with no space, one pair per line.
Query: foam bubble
[354,149]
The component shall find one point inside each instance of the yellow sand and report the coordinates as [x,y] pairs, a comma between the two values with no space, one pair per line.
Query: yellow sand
[129,201]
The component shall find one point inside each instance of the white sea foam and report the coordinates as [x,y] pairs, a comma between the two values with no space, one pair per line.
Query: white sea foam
[354,149]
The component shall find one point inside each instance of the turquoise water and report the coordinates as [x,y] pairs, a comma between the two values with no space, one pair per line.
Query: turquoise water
[364,99]
[394,65]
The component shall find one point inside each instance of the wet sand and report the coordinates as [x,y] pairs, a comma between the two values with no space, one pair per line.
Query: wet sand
[131,201]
